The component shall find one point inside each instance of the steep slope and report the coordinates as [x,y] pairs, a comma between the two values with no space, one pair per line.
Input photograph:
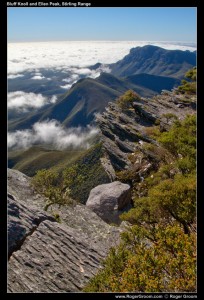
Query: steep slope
[154,60]
[88,96]
[76,107]
[127,142]
[152,83]
[80,104]
[90,172]
[36,158]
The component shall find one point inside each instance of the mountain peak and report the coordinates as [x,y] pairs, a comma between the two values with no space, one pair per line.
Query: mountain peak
[154,60]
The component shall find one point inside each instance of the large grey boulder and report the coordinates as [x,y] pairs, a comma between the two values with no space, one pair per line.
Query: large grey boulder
[109,200]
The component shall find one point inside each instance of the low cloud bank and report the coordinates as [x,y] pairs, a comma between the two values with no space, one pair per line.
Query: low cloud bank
[22,101]
[12,76]
[51,132]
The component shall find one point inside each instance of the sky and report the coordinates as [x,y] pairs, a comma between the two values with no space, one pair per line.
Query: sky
[93,24]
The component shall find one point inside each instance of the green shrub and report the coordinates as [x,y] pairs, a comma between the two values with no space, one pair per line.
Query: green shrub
[158,250]
[181,138]
[75,182]
[164,263]
[126,101]
[189,87]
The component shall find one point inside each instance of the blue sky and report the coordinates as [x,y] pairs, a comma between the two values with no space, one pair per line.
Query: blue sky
[147,24]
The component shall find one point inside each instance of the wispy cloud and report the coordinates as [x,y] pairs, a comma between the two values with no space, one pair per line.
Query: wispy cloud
[15,76]
[77,72]
[66,86]
[22,101]
[51,132]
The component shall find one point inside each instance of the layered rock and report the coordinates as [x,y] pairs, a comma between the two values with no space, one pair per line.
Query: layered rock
[19,185]
[22,222]
[109,200]
[47,256]
[124,132]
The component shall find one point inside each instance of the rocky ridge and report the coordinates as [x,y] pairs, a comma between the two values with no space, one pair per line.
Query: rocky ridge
[47,256]
[124,133]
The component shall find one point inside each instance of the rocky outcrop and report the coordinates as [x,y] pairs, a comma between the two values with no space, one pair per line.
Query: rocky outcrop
[22,222]
[108,201]
[125,132]
[19,185]
[47,256]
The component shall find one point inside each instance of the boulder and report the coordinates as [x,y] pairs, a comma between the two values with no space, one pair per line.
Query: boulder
[109,200]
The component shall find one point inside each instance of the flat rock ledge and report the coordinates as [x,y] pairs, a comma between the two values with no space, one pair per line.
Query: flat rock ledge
[50,257]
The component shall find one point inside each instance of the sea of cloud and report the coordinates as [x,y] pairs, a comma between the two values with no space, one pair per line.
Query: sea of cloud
[78,55]
[52,133]
[62,64]
[71,60]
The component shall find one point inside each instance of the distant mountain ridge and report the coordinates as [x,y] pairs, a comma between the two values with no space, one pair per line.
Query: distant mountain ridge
[146,70]
[156,61]
[88,96]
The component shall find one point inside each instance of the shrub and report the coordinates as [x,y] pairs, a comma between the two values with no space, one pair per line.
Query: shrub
[189,87]
[158,251]
[50,184]
[164,263]
[126,101]
[181,138]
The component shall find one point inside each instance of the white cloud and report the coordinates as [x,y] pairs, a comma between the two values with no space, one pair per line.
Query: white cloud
[53,133]
[66,86]
[38,77]
[15,76]
[38,74]
[53,99]
[83,71]
[48,55]
[22,101]
[72,78]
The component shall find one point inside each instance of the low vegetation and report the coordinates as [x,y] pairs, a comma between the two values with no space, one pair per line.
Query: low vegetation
[189,86]
[73,183]
[37,157]
[158,251]
[127,99]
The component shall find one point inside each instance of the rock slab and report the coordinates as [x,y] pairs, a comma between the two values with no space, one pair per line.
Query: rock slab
[50,257]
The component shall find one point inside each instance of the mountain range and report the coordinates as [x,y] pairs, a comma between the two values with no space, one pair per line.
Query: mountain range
[146,70]
[156,61]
